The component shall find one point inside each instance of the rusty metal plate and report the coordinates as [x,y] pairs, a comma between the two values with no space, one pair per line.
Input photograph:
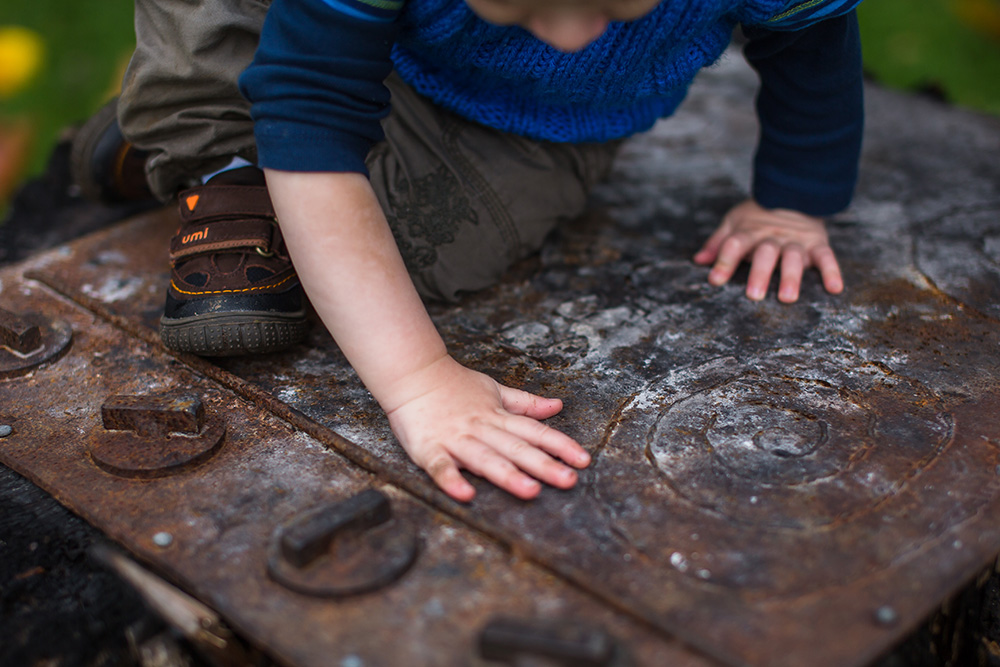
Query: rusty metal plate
[209,527]
[962,259]
[778,485]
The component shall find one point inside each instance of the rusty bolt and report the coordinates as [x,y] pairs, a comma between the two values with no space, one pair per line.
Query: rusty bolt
[153,415]
[510,641]
[344,548]
[310,538]
[19,334]
[155,435]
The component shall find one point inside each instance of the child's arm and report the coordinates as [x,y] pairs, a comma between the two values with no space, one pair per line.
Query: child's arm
[811,115]
[446,416]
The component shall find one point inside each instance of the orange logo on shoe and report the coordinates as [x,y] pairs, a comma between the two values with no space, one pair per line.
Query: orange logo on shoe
[191,202]
[195,236]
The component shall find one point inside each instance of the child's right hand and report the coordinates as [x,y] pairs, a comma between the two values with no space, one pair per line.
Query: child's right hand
[446,416]
[450,417]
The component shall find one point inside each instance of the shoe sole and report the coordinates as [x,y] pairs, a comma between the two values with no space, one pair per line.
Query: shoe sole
[233,334]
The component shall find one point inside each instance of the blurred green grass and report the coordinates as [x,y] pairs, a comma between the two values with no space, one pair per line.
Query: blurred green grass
[928,45]
[913,44]
[86,44]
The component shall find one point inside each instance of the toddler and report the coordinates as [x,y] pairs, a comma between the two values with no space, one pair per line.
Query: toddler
[396,150]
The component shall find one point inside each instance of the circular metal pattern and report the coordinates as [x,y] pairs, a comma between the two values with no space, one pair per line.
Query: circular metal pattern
[795,442]
[129,454]
[963,260]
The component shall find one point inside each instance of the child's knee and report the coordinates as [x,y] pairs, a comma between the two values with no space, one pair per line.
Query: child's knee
[455,249]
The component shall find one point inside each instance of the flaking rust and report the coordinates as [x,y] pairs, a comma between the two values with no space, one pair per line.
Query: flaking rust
[772,484]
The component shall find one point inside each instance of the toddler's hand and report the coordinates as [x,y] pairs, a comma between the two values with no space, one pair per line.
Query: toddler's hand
[452,417]
[765,238]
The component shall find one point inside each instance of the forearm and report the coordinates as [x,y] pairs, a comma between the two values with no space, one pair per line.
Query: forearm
[445,415]
[811,115]
[347,260]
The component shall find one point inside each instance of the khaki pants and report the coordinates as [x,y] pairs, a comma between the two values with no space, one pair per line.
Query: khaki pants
[464,201]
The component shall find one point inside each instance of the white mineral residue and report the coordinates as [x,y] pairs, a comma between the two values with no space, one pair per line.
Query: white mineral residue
[111,258]
[678,560]
[288,394]
[529,334]
[991,246]
[317,363]
[114,289]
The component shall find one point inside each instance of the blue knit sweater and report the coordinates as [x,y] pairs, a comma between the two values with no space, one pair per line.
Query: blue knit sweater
[317,95]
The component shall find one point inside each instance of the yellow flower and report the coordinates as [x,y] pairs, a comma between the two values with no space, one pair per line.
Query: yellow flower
[21,53]
[983,15]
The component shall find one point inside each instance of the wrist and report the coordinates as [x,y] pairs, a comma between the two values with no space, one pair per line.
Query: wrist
[395,392]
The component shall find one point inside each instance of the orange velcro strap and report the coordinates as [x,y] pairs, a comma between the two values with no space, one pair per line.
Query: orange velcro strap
[222,235]
[224,201]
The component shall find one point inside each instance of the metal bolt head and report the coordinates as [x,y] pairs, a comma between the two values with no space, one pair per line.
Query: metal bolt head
[18,333]
[163,539]
[5,430]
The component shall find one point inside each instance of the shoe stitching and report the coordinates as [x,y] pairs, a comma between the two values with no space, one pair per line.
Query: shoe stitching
[232,291]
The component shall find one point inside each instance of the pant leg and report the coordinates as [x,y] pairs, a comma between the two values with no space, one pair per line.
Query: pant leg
[465,202]
[180,98]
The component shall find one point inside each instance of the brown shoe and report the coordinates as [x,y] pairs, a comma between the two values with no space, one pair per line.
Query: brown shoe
[104,165]
[232,287]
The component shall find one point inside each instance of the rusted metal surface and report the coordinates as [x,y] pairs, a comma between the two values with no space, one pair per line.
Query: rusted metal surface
[778,485]
[210,528]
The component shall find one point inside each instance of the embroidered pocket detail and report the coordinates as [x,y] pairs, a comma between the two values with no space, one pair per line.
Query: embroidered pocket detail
[802,6]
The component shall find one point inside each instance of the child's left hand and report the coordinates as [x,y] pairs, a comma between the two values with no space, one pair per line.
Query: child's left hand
[766,238]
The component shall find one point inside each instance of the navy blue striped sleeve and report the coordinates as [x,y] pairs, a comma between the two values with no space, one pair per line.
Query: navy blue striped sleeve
[806,12]
[811,113]
[315,84]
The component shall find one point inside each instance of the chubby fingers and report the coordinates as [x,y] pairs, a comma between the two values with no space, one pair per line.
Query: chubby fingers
[545,438]
[765,258]
[520,402]
[526,409]
[793,264]
[825,260]
[795,260]
[516,456]
[710,250]
[732,251]
[443,469]
[511,463]
[479,458]
[534,460]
